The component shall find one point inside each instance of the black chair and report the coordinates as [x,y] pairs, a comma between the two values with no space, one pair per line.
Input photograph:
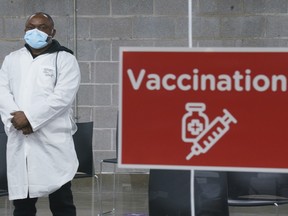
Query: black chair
[83,141]
[1,127]
[3,170]
[257,189]
[210,193]
[170,193]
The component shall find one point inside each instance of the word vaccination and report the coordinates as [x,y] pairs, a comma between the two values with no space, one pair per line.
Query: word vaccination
[195,81]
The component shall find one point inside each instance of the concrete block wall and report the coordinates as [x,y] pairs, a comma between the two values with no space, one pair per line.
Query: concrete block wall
[102,26]
[240,23]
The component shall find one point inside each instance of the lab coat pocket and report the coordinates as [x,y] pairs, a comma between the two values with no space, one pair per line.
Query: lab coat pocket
[46,77]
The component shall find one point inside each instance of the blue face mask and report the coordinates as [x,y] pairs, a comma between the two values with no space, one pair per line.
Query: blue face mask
[36,38]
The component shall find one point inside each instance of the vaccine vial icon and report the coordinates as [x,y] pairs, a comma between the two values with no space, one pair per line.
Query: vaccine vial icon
[194,121]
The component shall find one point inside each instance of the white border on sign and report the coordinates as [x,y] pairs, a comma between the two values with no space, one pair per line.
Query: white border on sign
[185,167]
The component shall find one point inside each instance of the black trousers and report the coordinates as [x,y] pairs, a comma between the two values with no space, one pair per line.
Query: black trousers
[60,203]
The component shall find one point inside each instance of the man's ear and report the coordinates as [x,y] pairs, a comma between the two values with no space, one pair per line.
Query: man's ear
[53,33]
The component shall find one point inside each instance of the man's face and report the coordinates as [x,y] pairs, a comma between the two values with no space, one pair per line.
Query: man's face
[41,22]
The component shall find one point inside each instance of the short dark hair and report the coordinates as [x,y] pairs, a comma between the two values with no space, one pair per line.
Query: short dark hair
[44,14]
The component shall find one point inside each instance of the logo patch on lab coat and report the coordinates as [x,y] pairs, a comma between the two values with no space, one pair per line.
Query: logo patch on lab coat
[48,72]
[46,77]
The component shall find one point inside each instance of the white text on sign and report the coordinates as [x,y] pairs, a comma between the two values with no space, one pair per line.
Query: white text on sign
[238,81]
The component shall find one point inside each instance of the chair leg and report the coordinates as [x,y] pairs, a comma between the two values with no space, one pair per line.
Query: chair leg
[114,188]
[276,208]
[92,198]
[95,178]
[100,191]
[114,191]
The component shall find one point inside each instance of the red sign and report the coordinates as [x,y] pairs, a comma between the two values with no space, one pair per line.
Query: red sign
[221,109]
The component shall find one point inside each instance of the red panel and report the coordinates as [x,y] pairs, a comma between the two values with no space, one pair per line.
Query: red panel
[241,122]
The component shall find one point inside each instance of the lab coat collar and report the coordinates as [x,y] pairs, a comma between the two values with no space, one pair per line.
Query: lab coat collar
[54,47]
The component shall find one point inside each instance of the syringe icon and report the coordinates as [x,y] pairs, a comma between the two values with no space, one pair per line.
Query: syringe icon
[208,137]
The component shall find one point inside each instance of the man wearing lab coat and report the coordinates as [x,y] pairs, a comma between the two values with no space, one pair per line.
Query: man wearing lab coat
[38,84]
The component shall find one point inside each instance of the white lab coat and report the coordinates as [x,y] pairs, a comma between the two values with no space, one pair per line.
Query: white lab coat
[43,161]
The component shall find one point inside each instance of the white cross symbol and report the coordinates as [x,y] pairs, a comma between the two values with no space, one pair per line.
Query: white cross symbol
[195,127]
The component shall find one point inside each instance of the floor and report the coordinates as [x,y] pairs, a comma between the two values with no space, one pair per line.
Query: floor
[132,199]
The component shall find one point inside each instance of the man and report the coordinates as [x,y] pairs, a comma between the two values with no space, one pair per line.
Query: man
[38,84]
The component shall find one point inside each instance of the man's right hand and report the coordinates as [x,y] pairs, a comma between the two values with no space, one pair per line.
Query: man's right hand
[19,120]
